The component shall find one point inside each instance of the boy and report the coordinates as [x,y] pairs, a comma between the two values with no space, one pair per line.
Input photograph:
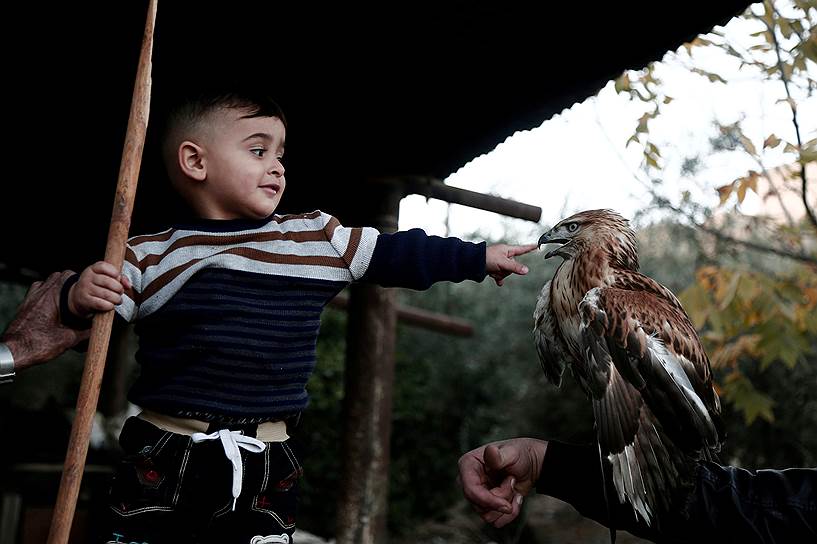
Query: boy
[227,310]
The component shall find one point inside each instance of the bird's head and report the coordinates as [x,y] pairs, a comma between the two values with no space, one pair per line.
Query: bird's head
[592,228]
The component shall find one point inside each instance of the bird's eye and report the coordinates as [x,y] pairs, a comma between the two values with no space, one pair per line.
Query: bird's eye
[572,227]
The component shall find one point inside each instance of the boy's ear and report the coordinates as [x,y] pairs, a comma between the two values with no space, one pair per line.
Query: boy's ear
[191,160]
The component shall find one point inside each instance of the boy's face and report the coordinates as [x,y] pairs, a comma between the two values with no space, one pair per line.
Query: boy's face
[244,175]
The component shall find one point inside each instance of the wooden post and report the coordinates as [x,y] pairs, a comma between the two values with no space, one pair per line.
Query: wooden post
[369,377]
[101,330]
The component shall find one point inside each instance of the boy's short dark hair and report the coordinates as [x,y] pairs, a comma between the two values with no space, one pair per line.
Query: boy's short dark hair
[193,106]
[187,109]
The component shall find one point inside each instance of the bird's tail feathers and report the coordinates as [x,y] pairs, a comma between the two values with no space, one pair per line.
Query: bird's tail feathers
[647,467]
[610,522]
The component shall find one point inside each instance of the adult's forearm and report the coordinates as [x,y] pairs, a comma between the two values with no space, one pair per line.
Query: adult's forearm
[726,504]
[755,506]
[23,353]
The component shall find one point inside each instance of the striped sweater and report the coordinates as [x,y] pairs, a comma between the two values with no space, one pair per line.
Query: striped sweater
[228,312]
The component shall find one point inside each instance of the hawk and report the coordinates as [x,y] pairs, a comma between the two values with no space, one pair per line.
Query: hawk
[634,352]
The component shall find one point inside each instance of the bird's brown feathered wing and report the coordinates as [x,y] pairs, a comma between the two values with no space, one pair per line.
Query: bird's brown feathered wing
[651,385]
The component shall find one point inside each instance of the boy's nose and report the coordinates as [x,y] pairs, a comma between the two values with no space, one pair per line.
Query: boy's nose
[277,169]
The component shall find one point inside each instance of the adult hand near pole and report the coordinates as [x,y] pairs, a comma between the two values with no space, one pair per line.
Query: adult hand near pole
[101,329]
[36,334]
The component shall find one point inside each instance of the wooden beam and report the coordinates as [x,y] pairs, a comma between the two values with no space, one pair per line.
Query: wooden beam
[434,188]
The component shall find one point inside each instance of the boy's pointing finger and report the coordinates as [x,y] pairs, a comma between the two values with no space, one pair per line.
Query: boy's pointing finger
[513,251]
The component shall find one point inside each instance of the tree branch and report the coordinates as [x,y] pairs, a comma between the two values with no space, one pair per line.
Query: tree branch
[776,190]
[809,212]
[802,257]
[665,204]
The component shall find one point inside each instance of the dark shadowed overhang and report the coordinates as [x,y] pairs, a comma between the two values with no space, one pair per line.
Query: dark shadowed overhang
[369,89]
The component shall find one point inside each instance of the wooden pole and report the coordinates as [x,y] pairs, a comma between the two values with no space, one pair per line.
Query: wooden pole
[101,329]
[367,403]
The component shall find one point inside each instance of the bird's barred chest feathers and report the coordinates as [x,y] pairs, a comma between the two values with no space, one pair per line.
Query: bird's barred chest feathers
[571,282]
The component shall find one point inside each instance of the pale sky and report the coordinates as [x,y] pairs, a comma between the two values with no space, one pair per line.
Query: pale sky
[578,160]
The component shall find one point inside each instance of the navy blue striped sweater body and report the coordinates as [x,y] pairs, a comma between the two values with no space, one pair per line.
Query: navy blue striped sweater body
[228,312]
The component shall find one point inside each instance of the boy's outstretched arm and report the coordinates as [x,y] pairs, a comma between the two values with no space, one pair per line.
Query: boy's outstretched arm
[98,289]
[416,260]
[500,263]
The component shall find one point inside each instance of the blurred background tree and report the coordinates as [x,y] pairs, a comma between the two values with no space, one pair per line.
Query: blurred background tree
[755,290]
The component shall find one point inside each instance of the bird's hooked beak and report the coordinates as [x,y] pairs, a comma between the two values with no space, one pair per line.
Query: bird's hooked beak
[551,238]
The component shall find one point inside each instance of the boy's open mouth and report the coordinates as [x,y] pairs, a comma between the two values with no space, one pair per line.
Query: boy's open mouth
[271,187]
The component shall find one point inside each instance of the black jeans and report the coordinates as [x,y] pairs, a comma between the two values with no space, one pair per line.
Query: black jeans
[169,489]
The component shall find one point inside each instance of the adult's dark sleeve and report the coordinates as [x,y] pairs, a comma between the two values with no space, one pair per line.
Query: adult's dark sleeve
[415,260]
[727,504]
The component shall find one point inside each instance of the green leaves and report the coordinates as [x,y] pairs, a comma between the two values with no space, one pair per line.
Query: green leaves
[809,47]
[623,83]
[740,392]
[749,318]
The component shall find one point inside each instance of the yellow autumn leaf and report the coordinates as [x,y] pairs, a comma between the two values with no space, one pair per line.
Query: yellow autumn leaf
[771,141]
[741,191]
[748,145]
[725,192]
[751,180]
[745,183]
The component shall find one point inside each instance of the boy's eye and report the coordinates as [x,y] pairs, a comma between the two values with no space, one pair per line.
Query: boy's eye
[259,151]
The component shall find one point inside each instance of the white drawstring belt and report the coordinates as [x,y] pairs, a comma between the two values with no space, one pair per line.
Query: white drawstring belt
[231,441]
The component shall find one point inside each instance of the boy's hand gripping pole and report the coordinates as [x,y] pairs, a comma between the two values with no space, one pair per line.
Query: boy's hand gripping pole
[101,329]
